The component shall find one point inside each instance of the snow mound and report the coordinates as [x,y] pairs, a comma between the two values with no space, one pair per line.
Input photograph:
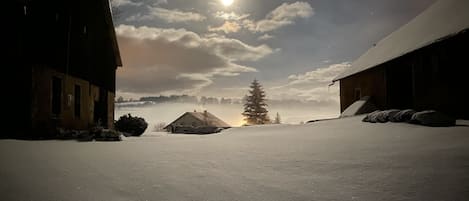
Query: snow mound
[380,116]
[433,118]
[402,116]
[362,106]
[426,118]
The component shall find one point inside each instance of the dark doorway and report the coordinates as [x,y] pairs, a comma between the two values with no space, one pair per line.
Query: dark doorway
[56,96]
[77,101]
[399,86]
[100,109]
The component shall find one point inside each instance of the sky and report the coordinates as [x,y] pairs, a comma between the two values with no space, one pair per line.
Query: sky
[217,47]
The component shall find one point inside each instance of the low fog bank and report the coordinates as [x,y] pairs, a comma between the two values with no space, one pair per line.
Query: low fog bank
[230,113]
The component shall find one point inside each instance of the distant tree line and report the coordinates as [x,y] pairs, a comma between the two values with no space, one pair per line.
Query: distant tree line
[206,100]
[183,99]
[172,98]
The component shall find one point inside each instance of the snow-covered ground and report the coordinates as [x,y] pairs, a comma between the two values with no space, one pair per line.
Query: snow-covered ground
[330,160]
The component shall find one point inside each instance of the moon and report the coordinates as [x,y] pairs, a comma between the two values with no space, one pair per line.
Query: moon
[227,2]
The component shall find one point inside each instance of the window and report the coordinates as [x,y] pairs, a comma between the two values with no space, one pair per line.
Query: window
[77,101]
[56,95]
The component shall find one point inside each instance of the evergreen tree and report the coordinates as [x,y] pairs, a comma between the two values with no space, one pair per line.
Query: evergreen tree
[277,119]
[120,99]
[255,111]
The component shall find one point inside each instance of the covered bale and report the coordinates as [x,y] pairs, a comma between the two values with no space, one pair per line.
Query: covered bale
[433,118]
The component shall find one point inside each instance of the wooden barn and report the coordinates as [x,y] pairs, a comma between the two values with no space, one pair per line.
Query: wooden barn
[63,57]
[197,123]
[422,65]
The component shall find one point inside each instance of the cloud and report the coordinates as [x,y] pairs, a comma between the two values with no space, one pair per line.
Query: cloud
[159,2]
[231,24]
[265,37]
[227,27]
[320,75]
[178,61]
[170,16]
[230,16]
[118,3]
[213,35]
[281,16]
[291,11]
[313,85]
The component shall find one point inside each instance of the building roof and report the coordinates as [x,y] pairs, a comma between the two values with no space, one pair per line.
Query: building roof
[212,120]
[441,20]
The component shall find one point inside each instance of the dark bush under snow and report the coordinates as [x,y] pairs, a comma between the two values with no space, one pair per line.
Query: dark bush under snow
[427,118]
[131,126]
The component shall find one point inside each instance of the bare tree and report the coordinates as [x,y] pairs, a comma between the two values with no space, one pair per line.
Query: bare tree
[159,127]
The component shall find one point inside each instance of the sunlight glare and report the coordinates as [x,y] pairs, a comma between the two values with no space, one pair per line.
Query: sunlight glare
[227,2]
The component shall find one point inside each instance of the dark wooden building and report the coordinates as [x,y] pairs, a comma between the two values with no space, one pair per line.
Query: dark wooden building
[63,55]
[422,65]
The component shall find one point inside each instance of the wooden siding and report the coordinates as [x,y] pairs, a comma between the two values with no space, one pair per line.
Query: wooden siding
[74,39]
[370,83]
[45,120]
[440,76]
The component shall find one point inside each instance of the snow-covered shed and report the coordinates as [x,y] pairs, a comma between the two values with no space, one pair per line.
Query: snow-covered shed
[197,123]
[421,65]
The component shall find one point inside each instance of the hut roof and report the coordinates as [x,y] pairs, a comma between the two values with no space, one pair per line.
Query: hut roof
[441,20]
[211,119]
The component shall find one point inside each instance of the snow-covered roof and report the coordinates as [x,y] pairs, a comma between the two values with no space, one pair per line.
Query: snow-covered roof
[441,20]
[205,116]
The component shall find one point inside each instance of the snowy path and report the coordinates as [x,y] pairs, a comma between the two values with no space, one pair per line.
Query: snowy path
[331,160]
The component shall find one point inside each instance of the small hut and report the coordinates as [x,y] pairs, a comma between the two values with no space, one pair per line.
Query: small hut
[197,123]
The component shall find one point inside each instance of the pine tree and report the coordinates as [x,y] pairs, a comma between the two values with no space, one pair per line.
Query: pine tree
[277,119]
[255,111]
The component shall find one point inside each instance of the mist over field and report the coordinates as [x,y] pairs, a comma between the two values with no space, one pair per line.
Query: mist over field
[230,113]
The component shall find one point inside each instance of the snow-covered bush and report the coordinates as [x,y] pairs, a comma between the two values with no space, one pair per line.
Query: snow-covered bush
[135,126]
[402,116]
[426,118]
[108,135]
[159,127]
[392,115]
[433,118]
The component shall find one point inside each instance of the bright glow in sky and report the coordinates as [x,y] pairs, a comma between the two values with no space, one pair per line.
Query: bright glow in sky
[227,2]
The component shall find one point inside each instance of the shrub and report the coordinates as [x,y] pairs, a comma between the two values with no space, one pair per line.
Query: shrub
[433,118]
[108,135]
[135,126]
[159,127]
